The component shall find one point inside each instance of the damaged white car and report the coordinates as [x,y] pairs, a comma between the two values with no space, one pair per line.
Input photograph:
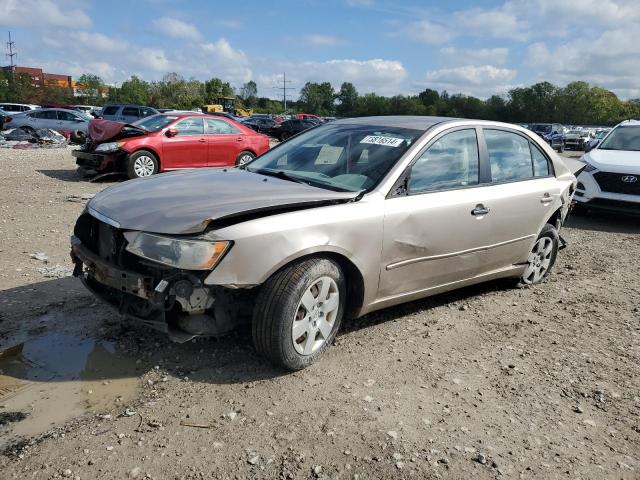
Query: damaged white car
[341,220]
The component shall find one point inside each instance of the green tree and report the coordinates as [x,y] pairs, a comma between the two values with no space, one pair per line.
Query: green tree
[133,90]
[347,100]
[249,93]
[318,98]
[89,87]
[215,88]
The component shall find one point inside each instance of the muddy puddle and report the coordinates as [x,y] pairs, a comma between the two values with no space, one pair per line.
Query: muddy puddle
[51,377]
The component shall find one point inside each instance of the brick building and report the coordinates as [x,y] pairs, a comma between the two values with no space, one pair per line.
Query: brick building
[40,78]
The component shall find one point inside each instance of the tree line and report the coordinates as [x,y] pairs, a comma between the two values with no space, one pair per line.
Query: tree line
[576,103]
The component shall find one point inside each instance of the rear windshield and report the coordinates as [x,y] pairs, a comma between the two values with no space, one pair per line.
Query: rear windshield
[622,138]
[338,157]
[155,122]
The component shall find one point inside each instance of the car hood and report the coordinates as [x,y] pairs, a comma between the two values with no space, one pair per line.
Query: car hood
[187,201]
[617,161]
[101,130]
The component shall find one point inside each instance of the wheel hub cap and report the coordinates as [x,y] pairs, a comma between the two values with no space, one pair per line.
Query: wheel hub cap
[315,316]
[539,260]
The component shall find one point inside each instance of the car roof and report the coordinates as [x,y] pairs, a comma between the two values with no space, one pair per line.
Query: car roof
[402,121]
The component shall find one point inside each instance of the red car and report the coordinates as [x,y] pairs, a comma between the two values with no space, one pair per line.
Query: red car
[168,141]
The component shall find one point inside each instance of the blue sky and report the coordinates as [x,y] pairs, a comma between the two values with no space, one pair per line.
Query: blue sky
[401,46]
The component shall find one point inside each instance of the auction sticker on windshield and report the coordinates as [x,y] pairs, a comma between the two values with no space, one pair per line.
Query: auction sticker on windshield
[380,140]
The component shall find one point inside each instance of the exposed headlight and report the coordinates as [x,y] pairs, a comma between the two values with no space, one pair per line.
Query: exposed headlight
[183,254]
[108,147]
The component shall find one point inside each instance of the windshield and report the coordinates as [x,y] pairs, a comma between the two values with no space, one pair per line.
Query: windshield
[601,135]
[542,128]
[338,157]
[623,138]
[154,122]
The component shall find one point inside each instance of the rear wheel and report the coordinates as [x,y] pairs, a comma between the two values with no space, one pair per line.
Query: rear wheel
[542,257]
[298,313]
[244,157]
[284,136]
[78,136]
[142,164]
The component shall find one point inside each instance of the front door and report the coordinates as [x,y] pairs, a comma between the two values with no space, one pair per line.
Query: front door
[187,149]
[225,142]
[436,234]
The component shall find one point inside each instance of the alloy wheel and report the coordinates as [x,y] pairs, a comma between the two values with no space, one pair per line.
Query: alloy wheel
[315,316]
[539,260]
[143,166]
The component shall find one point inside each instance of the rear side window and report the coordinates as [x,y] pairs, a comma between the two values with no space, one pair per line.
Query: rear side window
[219,127]
[145,112]
[46,114]
[450,162]
[540,162]
[190,126]
[509,156]
[130,112]
[110,110]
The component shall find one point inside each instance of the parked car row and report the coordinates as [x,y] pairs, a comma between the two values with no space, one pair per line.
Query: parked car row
[72,123]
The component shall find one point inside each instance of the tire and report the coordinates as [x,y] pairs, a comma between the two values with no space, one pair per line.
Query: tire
[542,257]
[244,157]
[561,148]
[28,129]
[285,331]
[284,136]
[78,137]
[142,164]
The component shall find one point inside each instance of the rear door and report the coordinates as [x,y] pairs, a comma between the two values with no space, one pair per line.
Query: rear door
[522,196]
[188,149]
[129,114]
[225,142]
[69,122]
[437,224]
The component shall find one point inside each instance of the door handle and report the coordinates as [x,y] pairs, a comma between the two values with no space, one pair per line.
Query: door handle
[546,198]
[239,139]
[202,140]
[480,210]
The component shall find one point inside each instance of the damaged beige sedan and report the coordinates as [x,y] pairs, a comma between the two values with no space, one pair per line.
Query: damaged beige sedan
[341,220]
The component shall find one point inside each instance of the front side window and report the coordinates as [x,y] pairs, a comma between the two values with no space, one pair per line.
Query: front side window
[190,126]
[622,138]
[509,156]
[338,157]
[66,116]
[110,110]
[216,126]
[450,162]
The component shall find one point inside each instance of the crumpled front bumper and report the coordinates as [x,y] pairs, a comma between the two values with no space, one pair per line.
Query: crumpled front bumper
[100,162]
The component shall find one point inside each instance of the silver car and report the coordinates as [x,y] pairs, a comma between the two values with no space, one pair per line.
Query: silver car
[60,119]
[341,220]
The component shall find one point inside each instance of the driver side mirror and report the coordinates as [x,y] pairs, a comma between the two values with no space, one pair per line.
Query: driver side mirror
[591,145]
[171,132]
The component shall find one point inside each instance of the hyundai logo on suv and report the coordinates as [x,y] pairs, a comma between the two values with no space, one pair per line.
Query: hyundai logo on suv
[629,179]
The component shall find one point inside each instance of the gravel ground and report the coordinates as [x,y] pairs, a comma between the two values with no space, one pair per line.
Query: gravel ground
[486,382]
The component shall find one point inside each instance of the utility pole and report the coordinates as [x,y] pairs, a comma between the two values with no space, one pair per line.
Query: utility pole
[284,89]
[12,53]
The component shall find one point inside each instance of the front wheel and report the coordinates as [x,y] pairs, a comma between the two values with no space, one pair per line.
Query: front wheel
[142,164]
[244,157]
[561,147]
[298,313]
[542,257]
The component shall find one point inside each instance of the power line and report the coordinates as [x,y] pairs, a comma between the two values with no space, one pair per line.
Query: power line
[284,89]
[12,53]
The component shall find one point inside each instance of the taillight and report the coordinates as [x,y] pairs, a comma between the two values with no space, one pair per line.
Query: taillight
[7,119]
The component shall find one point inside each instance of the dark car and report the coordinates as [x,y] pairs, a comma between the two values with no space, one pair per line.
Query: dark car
[553,134]
[126,113]
[289,128]
[261,124]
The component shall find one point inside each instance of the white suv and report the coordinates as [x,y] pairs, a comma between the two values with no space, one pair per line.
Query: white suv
[611,178]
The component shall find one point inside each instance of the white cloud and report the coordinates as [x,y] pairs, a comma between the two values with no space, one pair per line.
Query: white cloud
[385,77]
[322,40]
[427,32]
[475,56]
[481,81]
[176,29]
[498,23]
[360,3]
[42,13]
